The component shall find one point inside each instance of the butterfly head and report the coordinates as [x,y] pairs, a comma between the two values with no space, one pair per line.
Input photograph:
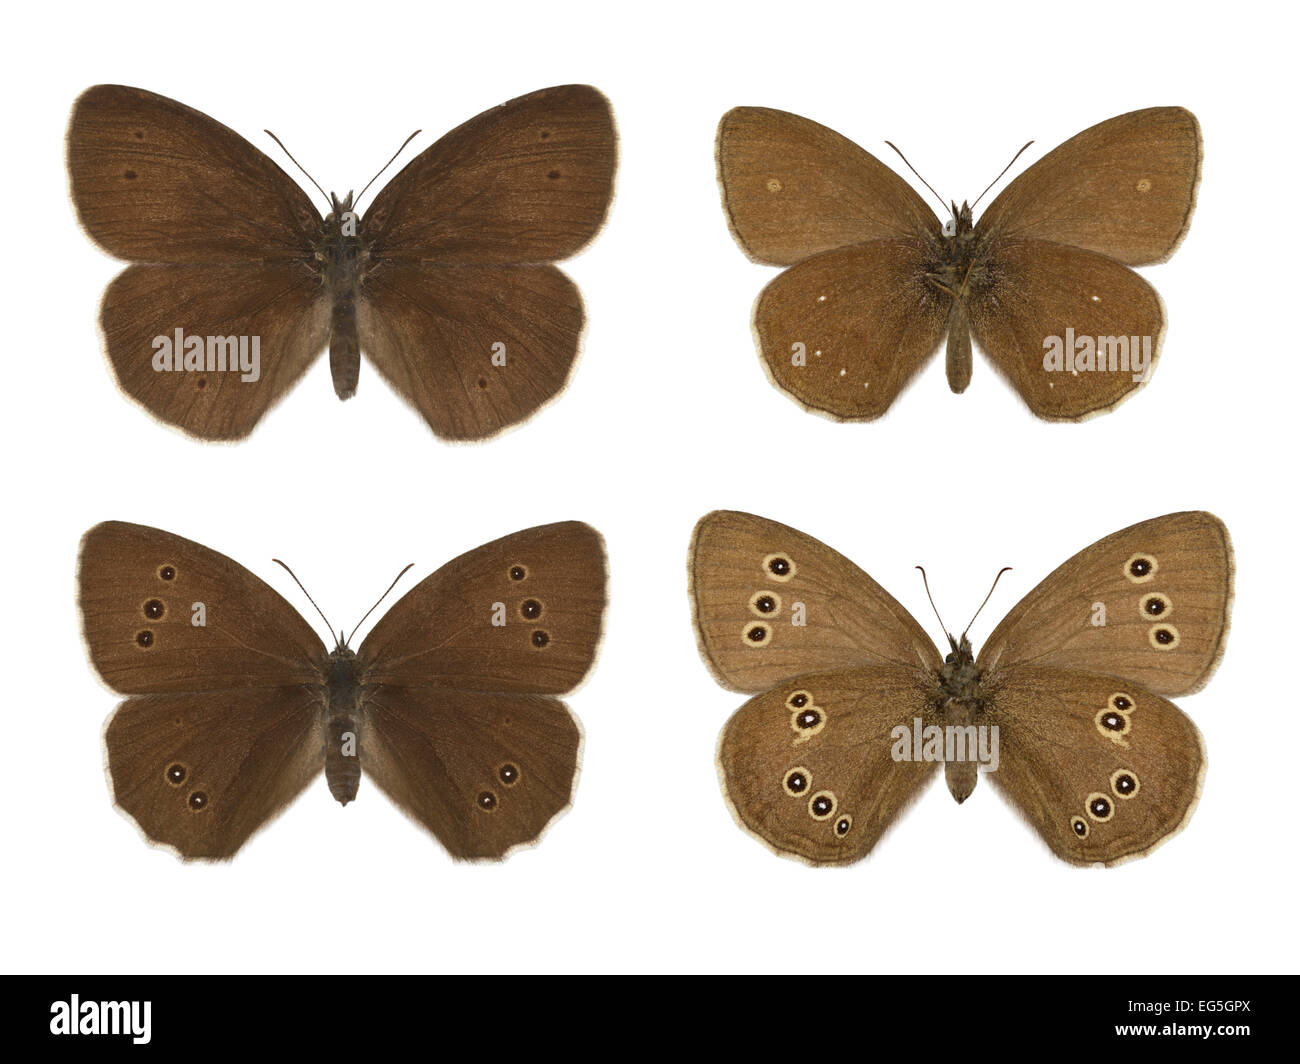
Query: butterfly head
[961,224]
[339,207]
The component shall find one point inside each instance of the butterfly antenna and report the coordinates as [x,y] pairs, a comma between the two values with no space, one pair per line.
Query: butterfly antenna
[931,188]
[381,597]
[1004,569]
[363,192]
[322,192]
[999,177]
[931,598]
[329,626]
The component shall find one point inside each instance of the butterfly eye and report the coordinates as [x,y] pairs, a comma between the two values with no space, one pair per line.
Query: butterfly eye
[176,773]
[153,609]
[197,801]
[531,609]
[821,806]
[508,774]
[1121,702]
[1124,783]
[144,639]
[1163,636]
[842,825]
[486,800]
[950,227]
[167,572]
[1099,807]
[1140,568]
[1079,826]
[757,635]
[518,572]
[779,567]
[765,603]
[1155,605]
[797,781]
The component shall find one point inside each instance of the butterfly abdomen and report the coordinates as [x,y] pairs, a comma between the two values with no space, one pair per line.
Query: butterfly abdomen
[342,731]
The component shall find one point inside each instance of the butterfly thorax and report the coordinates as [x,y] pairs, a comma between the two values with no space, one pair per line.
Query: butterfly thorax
[954,263]
[341,258]
[342,718]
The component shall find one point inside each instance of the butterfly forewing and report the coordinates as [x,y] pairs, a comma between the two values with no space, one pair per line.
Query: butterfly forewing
[526,182]
[156,181]
[771,602]
[793,188]
[1125,188]
[162,613]
[1101,768]
[1150,603]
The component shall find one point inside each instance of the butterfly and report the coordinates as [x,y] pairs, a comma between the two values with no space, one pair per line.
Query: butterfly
[1042,281]
[234,704]
[1067,704]
[237,283]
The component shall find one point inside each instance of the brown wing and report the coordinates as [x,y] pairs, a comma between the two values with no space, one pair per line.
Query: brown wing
[140,593]
[1163,589]
[483,772]
[1125,188]
[279,307]
[520,615]
[845,331]
[809,766]
[793,188]
[473,348]
[156,181]
[528,181]
[1101,768]
[752,580]
[203,771]
[1036,299]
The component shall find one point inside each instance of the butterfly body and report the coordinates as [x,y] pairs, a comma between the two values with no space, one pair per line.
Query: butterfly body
[343,706]
[343,259]
[1065,709]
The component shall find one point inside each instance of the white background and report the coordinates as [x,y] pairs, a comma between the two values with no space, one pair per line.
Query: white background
[668,416]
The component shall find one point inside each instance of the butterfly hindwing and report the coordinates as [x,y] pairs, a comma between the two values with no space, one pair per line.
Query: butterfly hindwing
[772,602]
[1150,603]
[202,771]
[845,331]
[473,348]
[809,768]
[1103,769]
[483,772]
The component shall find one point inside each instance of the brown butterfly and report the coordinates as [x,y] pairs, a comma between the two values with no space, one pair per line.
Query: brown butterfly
[1042,281]
[237,283]
[1066,706]
[448,705]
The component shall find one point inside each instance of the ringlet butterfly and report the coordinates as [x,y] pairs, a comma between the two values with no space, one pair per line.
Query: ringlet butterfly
[1042,281]
[855,707]
[446,283]
[448,704]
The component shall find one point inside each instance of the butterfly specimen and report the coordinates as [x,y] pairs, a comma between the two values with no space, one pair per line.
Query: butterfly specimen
[1042,281]
[234,704]
[855,708]
[237,283]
